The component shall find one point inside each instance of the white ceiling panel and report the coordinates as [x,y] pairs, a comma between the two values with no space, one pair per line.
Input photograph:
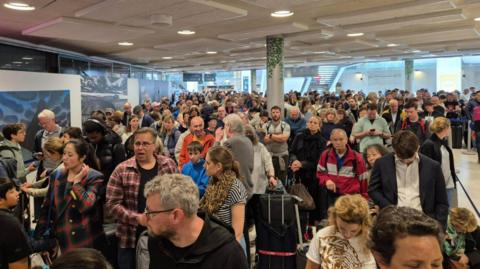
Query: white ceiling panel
[80,29]
[385,12]
[139,12]
[276,29]
[399,22]
[436,35]
[145,54]
[280,4]
[200,44]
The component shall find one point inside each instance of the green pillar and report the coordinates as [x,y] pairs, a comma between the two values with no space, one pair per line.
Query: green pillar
[275,72]
[409,75]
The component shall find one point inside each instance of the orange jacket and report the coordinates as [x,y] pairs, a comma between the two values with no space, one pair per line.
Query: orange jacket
[207,141]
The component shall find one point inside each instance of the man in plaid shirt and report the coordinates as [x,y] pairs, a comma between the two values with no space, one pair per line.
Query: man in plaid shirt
[125,199]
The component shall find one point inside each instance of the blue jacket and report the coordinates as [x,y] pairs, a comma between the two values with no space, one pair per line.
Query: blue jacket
[296,125]
[198,173]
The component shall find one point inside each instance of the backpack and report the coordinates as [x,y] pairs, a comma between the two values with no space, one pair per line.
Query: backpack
[9,164]
[421,122]
[476,113]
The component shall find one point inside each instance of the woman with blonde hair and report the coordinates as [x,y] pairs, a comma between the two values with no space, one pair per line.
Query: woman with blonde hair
[329,123]
[343,244]
[462,241]
[436,147]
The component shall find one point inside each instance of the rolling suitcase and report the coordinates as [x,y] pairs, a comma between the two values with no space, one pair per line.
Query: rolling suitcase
[277,225]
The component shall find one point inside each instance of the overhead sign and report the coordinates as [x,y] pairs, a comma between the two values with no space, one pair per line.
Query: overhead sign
[209,77]
[192,77]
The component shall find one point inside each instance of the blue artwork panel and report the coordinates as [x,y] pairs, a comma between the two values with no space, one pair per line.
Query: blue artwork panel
[24,106]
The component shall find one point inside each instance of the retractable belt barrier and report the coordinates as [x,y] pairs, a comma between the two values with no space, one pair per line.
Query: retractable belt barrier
[469,198]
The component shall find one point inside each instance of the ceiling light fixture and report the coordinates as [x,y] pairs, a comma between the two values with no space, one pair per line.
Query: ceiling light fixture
[27,58]
[125,43]
[416,51]
[211,52]
[281,13]
[19,6]
[186,32]
[167,57]
[17,62]
[355,34]
[477,19]
[392,45]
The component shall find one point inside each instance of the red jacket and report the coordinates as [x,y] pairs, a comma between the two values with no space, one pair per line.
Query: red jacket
[207,141]
[352,177]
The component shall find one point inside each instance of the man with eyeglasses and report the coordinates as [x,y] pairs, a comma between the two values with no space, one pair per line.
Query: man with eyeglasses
[125,199]
[182,237]
[408,178]
[46,120]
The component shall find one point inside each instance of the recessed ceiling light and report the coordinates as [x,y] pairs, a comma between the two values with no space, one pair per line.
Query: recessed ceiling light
[17,62]
[477,19]
[355,34]
[281,13]
[186,32]
[19,6]
[27,58]
[392,45]
[416,51]
[211,52]
[167,57]
[125,43]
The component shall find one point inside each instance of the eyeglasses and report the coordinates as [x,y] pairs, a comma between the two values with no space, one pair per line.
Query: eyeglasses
[152,214]
[142,144]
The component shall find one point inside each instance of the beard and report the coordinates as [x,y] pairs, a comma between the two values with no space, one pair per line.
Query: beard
[167,234]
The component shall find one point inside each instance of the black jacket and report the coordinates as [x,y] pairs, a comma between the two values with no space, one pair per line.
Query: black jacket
[307,148]
[383,190]
[472,248]
[431,149]
[216,247]
[110,152]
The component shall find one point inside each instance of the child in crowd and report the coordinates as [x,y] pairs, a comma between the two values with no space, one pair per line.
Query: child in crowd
[14,245]
[195,167]
[462,241]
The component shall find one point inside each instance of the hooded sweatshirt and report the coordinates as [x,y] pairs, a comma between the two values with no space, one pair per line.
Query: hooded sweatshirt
[215,247]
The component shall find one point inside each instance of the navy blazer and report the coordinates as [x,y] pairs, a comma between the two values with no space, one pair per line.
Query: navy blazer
[383,191]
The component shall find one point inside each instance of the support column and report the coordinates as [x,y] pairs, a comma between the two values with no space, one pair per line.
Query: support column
[253,80]
[275,72]
[409,75]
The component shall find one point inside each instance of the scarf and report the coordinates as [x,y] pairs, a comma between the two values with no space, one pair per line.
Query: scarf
[454,244]
[217,191]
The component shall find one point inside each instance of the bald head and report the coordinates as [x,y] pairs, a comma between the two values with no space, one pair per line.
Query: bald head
[196,126]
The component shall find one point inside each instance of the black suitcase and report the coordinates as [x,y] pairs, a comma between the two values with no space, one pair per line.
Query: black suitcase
[277,227]
[457,136]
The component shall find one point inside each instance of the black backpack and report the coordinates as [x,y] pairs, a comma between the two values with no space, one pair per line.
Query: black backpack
[9,164]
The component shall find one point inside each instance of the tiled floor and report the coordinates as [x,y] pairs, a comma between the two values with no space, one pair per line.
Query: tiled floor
[469,173]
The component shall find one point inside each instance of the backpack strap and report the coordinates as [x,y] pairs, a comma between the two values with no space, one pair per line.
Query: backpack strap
[5,147]
[422,126]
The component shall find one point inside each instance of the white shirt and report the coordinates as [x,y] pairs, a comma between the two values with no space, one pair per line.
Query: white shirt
[330,243]
[408,183]
[446,168]
[394,117]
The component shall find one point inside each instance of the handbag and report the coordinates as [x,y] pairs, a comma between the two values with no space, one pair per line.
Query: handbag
[298,189]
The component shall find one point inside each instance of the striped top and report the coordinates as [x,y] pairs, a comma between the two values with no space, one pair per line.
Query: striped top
[236,195]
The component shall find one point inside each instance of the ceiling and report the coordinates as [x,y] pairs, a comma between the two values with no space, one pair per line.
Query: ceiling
[237,29]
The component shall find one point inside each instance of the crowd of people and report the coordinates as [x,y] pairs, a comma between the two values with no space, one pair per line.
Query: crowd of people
[378,168]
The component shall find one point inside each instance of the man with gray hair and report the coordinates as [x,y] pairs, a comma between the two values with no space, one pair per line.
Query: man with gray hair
[240,145]
[182,237]
[46,120]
